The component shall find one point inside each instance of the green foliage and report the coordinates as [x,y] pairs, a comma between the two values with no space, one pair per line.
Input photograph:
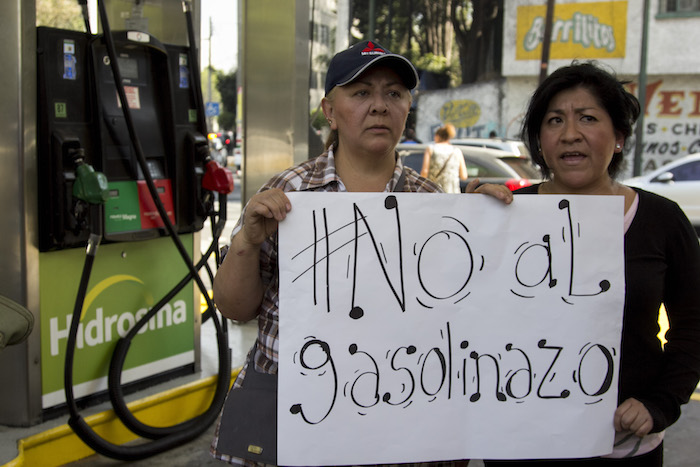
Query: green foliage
[205,76]
[455,73]
[227,88]
[227,120]
[317,119]
[459,38]
[62,14]
[418,29]
[432,62]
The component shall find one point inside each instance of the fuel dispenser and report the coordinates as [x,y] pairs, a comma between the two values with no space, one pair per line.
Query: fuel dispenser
[84,112]
[123,163]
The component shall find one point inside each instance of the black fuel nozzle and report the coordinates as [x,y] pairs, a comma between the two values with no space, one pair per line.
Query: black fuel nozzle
[203,152]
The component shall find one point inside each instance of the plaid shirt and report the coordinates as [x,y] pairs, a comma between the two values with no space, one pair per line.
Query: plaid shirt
[317,174]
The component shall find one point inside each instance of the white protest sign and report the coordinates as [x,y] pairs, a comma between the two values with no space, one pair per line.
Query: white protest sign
[419,327]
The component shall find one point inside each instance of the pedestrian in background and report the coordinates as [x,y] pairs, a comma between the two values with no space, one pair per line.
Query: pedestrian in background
[443,163]
[576,127]
[410,137]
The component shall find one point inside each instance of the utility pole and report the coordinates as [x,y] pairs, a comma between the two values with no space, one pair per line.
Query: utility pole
[546,40]
[641,94]
[211,31]
[372,20]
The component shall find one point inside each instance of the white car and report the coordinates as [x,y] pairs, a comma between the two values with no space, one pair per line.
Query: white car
[679,181]
[513,146]
[488,165]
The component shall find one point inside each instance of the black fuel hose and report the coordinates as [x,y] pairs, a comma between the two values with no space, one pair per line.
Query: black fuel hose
[76,422]
[119,356]
[143,164]
[85,15]
[194,64]
[163,438]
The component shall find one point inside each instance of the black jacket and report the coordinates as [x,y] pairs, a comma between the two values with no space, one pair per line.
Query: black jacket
[662,266]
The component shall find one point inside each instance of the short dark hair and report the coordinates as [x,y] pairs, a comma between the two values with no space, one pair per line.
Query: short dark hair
[622,106]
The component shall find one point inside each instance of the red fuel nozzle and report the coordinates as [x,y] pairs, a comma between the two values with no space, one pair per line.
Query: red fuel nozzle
[217,178]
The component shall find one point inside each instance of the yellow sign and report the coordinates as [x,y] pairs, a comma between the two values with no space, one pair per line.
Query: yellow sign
[579,31]
[462,113]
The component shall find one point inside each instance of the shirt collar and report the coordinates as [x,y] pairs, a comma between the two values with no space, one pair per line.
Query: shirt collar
[324,172]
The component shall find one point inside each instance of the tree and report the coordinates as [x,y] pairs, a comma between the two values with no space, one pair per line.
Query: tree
[228,89]
[418,29]
[437,28]
[479,41]
[63,14]
[463,37]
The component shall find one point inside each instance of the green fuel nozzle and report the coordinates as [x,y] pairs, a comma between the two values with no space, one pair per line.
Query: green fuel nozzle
[89,186]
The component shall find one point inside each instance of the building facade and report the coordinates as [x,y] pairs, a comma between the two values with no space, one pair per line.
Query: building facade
[330,25]
[609,32]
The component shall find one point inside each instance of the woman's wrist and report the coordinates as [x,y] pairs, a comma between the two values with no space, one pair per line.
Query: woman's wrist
[240,245]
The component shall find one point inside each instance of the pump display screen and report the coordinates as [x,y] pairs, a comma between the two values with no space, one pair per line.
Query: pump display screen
[128,67]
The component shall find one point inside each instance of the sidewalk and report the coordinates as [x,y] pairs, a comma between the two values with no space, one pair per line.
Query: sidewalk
[681,448]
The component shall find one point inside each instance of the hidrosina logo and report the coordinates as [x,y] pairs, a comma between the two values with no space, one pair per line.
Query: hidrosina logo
[372,49]
[102,329]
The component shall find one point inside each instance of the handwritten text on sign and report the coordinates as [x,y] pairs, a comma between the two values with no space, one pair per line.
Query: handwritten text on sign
[418,327]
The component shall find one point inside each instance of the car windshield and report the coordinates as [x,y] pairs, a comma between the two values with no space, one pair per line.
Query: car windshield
[522,166]
[413,160]
[476,170]
[687,172]
[523,149]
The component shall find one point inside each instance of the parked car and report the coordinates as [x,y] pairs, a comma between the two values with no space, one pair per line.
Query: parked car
[679,181]
[488,165]
[514,146]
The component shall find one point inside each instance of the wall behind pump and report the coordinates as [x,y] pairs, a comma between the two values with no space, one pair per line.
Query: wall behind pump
[476,109]
[20,403]
[274,72]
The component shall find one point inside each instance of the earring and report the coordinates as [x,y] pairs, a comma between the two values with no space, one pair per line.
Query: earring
[617,146]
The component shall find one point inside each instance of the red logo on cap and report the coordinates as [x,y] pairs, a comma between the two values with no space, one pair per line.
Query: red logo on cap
[372,49]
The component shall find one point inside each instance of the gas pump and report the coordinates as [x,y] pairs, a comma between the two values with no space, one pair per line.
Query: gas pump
[124,161]
[84,112]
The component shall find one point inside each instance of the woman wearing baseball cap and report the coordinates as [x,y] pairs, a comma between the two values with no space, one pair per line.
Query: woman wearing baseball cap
[368,97]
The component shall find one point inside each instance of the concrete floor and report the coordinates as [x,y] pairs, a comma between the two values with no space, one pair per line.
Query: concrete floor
[681,448]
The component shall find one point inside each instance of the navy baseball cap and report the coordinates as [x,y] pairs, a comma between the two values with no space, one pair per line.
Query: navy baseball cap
[347,65]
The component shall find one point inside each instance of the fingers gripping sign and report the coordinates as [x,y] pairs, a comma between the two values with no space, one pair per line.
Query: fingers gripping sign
[262,215]
[500,192]
[633,416]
